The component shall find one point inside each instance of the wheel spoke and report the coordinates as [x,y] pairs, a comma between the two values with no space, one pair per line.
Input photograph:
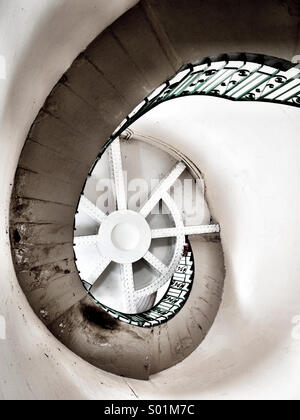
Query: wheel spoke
[101,266]
[156,263]
[188,230]
[162,188]
[117,173]
[91,210]
[127,281]
[86,240]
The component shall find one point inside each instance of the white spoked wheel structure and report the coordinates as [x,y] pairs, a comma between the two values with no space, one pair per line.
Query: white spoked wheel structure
[123,237]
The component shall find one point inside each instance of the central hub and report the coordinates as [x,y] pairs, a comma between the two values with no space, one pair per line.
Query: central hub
[124,237]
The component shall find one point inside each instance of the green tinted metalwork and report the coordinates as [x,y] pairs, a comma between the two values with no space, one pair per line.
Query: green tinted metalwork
[234,79]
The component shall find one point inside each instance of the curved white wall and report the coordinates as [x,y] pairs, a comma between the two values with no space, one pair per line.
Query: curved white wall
[249,154]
